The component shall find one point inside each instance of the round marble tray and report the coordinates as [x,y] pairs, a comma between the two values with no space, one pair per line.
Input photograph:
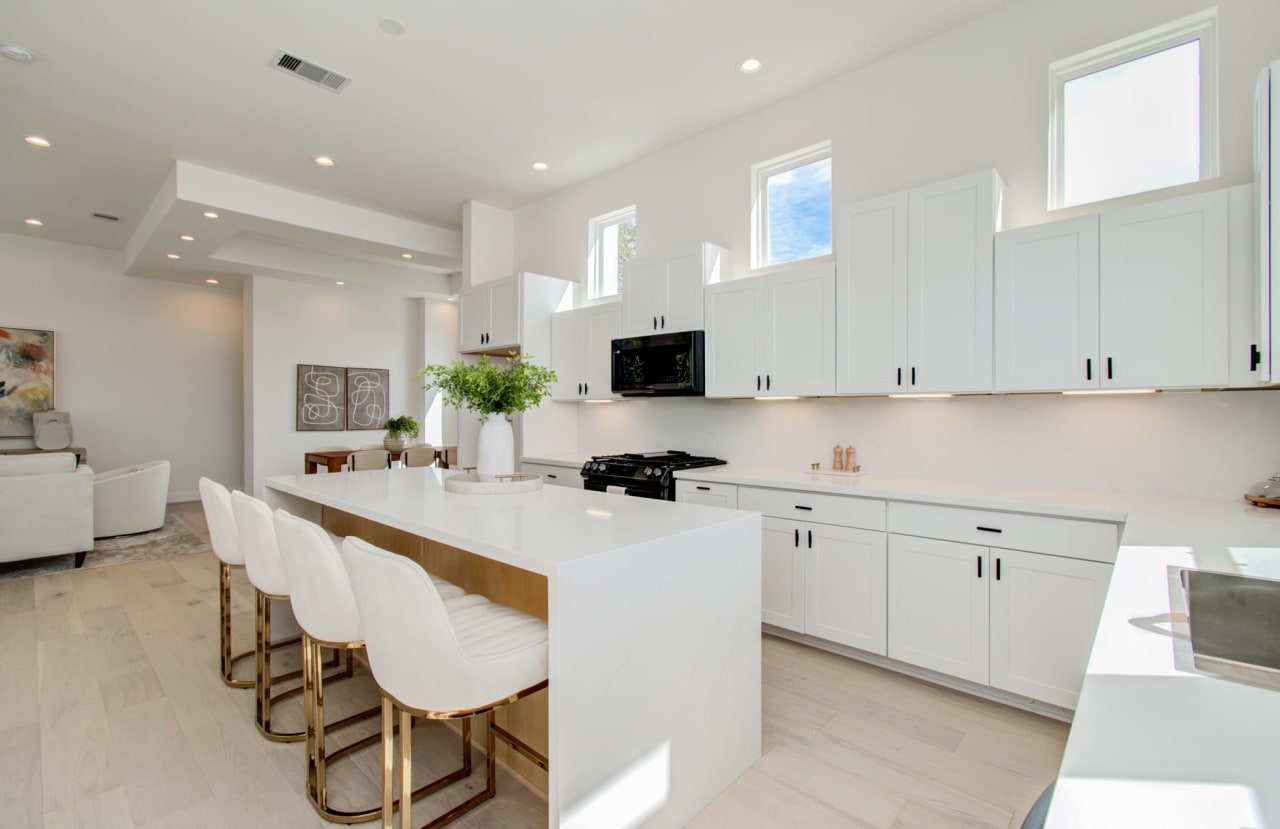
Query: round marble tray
[466,483]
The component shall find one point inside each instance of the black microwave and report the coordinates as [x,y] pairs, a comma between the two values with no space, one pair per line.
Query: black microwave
[659,365]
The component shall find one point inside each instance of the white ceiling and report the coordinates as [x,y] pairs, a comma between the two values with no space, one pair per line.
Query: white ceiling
[455,108]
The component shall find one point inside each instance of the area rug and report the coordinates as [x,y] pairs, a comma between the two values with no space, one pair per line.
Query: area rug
[173,539]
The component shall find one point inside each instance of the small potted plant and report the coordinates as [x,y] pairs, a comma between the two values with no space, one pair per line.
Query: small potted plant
[398,429]
[495,392]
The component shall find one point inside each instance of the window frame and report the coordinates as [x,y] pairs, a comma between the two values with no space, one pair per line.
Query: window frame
[1202,26]
[760,175]
[595,250]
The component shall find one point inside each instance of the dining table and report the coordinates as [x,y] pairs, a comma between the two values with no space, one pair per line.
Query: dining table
[334,459]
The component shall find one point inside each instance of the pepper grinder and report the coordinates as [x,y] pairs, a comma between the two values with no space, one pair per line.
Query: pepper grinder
[851,459]
[837,459]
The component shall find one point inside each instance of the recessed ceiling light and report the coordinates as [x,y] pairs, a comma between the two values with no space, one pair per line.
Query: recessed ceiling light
[13,51]
[339,283]
[406,256]
[323,160]
[184,237]
[540,166]
[38,141]
[209,214]
[391,26]
[750,66]
[211,282]
[173,256]
[34,222]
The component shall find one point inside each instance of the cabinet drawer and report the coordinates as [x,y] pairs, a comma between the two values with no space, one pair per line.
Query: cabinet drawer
[842,510]
[555,475]
[1068,537]
[700,492]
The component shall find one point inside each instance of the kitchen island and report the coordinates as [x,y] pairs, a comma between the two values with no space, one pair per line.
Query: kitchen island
[653,612]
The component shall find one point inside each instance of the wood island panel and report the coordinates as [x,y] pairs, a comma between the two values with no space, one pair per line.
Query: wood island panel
[498,582]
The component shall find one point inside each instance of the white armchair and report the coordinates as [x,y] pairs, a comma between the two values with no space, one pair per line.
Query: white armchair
[46,506]
[130,499]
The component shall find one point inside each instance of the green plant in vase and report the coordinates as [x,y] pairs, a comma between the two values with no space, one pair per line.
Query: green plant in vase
[495,392]
[399,431]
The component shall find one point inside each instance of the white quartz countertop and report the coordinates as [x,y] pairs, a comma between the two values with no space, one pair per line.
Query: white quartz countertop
[571,459]
[535,531]
[1156,742]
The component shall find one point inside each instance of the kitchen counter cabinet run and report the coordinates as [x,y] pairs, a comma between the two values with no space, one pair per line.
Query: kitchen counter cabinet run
[653,613]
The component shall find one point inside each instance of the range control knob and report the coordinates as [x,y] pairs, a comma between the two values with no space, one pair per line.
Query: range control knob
[649,471]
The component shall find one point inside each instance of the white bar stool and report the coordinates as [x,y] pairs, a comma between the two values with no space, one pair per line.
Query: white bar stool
[266,572]
[440,660]
[325,607]
[225,540]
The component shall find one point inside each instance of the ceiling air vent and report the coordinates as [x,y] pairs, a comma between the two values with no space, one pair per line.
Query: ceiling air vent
[105,217]
[308,71]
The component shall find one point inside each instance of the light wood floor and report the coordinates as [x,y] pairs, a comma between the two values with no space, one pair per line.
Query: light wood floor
[112,715]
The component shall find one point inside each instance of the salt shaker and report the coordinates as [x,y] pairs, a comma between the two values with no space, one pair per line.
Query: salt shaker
[837,459]
[850,459]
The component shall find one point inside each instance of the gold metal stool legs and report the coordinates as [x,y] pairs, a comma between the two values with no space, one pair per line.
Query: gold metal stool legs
[494,732]
[228,661]
[265,698]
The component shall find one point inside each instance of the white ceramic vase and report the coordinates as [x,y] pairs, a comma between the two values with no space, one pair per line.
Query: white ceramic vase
[496,453]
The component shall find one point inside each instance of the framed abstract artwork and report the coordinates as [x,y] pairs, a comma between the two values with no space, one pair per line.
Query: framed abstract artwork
[26,379]
[368,398]
[322,398]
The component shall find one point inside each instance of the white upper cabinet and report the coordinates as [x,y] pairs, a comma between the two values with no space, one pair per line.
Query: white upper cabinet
[1164,284]
[949,276]
[772,335]
[914,276]
[1046,306]
[500,316]
[663,293]
[1249,341]
[582,352]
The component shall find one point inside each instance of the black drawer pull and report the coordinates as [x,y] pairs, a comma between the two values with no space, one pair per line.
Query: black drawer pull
[807,509]
[797,538]
[705,488]
[550,475]
[810,539]
[997,569]
[989,530]
[979,566]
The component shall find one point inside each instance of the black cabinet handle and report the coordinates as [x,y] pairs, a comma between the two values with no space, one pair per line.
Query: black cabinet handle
[664,322]
[989,530]
[913,375]
[1109,374]
[797,538]
[899,375]
[586,388]
[757,382]
[1255,357]
[704,488]
[997,569]
[768,382]
[655,323]
[806,509]
[1088,368]
[810,539]
[551,475]
[979,566]
[579,388]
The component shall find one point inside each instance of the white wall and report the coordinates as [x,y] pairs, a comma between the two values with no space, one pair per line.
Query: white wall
[290,323]
[1210,444]
[973,98]
[148,369]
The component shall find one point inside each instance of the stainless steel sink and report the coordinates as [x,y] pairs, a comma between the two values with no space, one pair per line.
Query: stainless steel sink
[1235,625]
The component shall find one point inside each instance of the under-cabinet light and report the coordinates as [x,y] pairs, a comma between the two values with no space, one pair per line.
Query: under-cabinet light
[1110,391]
[597,401]
[922,396]
[795,397]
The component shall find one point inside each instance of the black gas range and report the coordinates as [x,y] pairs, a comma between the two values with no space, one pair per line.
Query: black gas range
[643,474]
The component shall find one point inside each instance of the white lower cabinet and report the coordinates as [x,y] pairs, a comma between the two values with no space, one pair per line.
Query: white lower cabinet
[782,574]
[711,495]
[844,586]
[938,605]
[1044,613]
[569,476]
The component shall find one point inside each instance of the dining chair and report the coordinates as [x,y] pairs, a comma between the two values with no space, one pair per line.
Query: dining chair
[368,459]
[420,455]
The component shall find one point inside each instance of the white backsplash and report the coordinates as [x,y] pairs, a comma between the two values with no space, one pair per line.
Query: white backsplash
[1205,444]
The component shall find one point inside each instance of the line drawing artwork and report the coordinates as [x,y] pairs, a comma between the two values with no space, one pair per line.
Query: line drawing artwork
[321,398]
[368,398]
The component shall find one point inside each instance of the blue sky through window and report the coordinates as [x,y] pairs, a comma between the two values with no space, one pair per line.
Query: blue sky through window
[799,220]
